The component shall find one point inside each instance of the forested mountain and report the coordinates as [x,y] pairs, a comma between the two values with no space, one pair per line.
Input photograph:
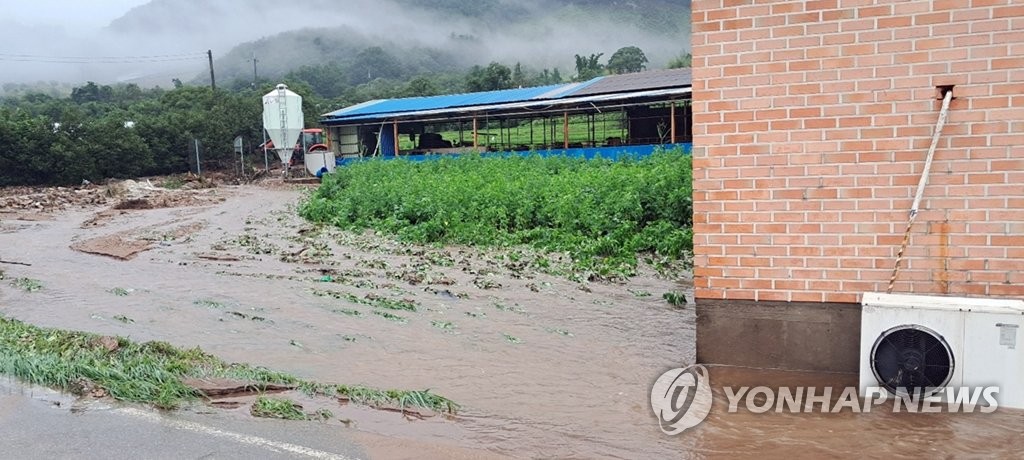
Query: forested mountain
[423,35]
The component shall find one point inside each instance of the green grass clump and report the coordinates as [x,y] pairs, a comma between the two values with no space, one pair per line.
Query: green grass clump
[282,408]
[150,372]
[398,398]
[601,212]
[28,284]
[676,299]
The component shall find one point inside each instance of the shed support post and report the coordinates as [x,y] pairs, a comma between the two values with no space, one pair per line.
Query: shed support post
[397,151]
[565,130]
[672,122]
[476,134]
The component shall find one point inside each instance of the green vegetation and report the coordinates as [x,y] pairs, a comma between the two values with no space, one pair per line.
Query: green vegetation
[601,212]
[28,284]
[173,183]
[627,60]
[513,309]
[282,408]
[443,325]
[391,316]
[120,292]
[53,141]
[681,61]
[347,311]
[588,67]
[209,303]
[400,399]
[675,299]
[152,372]
[371,299]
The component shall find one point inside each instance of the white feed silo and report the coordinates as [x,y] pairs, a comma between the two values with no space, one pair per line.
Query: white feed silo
[283,120]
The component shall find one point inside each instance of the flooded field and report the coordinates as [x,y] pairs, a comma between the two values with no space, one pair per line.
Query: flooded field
[543,366]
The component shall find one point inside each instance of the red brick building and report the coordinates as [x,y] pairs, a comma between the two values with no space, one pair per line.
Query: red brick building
[812,124]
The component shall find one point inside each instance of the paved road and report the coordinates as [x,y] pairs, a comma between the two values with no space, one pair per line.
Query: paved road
[38,423]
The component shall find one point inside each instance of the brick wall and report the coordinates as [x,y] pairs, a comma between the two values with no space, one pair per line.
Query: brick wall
[812,123]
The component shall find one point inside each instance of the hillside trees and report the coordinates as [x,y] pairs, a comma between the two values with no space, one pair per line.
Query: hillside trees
[681,61]
[493,77]
[629,59]
[588,67]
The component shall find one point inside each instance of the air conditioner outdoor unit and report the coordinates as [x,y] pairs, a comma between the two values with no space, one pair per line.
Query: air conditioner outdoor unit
[930,343]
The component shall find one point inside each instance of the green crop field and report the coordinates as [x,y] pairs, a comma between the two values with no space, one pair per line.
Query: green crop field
[602,213]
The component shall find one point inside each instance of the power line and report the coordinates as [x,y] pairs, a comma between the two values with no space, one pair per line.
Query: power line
[100,59]
[108,57]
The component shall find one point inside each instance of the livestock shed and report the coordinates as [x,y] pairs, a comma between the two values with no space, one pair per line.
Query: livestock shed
[605,116]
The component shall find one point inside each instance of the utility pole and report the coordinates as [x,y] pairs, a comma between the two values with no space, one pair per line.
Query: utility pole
[255,77]
[213,79]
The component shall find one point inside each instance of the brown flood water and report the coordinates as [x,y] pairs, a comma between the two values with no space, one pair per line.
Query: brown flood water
[557,372]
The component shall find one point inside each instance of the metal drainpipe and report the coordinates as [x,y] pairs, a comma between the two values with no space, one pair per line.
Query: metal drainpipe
[943,114]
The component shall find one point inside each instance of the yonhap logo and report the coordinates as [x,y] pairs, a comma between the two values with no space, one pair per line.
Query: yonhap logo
[681,398]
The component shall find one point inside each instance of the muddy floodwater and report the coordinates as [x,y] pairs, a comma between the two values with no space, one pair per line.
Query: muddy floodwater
[542,365]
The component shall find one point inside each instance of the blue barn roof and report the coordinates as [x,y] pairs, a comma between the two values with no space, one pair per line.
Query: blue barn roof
[383,109]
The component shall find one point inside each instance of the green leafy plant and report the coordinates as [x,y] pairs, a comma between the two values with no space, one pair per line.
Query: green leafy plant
[601,212]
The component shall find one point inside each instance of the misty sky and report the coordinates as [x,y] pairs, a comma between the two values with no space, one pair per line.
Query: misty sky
[71,15]
[62,40]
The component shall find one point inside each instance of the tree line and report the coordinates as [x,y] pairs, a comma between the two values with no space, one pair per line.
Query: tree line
[119,131]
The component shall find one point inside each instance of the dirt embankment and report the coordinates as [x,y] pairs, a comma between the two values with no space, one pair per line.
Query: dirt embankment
[128,194]
[114,199]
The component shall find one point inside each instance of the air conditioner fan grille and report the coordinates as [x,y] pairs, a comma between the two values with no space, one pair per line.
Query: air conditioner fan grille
[912,358]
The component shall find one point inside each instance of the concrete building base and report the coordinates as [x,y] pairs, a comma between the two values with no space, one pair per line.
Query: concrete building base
[779,335]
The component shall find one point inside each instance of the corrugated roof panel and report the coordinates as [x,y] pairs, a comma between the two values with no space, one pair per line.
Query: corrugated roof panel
[414,104]
[651,79]
[354,108]
[524,105]
[567,90]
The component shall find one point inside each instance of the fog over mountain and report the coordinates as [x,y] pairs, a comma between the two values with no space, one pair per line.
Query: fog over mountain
[166,38]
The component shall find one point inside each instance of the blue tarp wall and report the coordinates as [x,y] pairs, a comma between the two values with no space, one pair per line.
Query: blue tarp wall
[613,153]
